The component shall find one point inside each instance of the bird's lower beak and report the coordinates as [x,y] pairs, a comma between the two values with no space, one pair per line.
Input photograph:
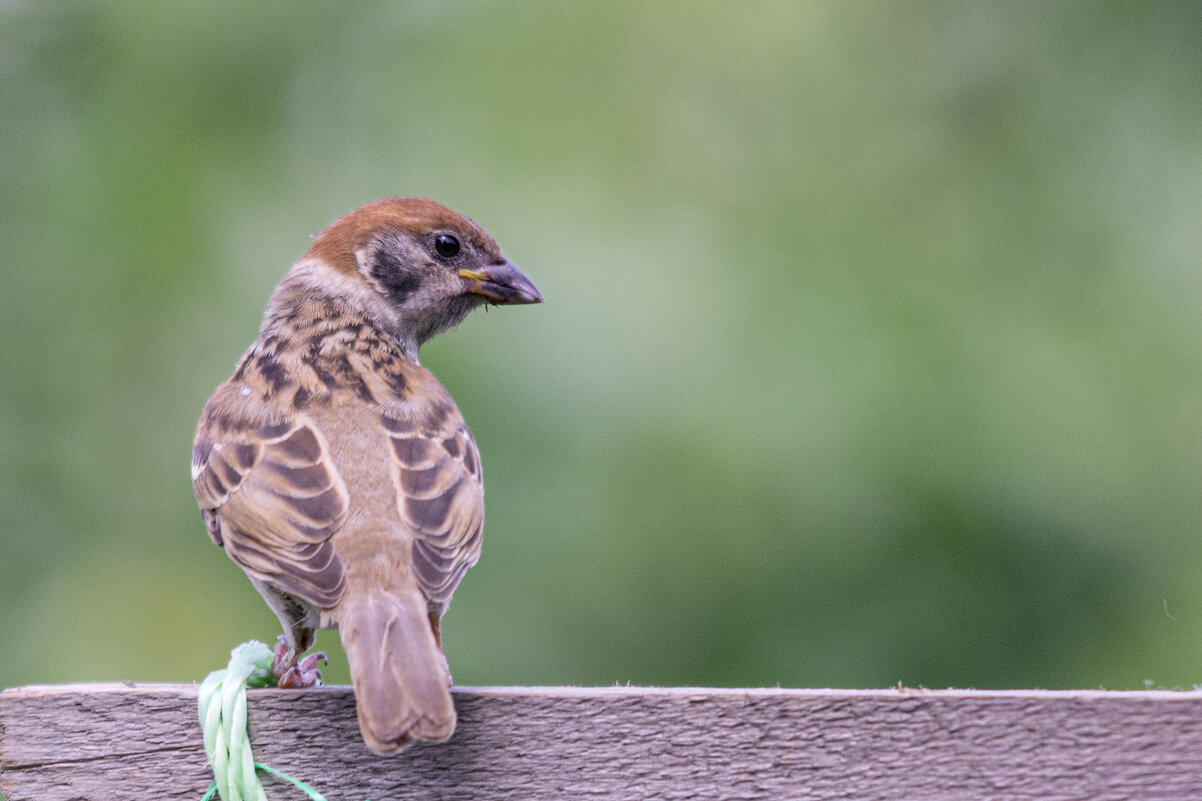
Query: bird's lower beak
[501,283]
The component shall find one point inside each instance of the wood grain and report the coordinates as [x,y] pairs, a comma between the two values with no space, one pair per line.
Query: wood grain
[112,741]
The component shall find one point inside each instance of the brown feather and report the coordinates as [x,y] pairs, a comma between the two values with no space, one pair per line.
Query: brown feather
[337,243]
[271,490]
[402,688]
[441,499]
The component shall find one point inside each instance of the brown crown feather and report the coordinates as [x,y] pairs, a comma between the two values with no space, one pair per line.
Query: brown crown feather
[337,243]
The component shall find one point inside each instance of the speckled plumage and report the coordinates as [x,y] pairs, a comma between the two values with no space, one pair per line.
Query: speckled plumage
[337,471]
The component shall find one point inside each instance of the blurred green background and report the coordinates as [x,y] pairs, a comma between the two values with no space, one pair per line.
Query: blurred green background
[872,347]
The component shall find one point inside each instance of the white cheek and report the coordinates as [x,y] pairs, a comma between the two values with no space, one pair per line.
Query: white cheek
[425,298]
[364,264]
[328,281]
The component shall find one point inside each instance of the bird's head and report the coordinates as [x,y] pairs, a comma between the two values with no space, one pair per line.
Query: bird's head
[428,265]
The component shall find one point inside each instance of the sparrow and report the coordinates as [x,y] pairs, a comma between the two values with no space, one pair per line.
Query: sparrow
[339,474]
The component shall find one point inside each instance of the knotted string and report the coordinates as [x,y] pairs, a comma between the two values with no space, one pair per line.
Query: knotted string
[222,703]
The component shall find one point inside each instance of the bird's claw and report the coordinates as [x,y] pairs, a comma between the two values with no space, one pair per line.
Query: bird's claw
[283,659]
[292,674]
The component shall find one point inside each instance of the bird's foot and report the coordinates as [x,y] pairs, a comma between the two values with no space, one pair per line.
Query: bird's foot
[291,673]
[304,673]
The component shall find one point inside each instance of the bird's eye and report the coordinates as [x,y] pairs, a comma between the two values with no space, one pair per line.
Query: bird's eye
[446,245]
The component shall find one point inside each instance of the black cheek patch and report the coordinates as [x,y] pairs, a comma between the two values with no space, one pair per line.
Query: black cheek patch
[396,278]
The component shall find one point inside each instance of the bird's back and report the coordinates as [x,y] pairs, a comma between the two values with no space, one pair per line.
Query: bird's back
[394,434]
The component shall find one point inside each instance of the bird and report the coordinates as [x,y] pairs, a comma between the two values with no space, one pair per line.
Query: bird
[339,474]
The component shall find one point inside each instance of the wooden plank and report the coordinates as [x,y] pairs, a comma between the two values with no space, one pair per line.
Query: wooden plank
[112,741]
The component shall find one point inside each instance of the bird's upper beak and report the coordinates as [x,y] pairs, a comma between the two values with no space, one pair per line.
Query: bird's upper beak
[501,283]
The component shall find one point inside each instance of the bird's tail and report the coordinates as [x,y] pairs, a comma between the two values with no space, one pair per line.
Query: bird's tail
[400,677]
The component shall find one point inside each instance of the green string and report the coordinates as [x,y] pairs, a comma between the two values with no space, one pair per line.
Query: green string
[306,789]
[222,703]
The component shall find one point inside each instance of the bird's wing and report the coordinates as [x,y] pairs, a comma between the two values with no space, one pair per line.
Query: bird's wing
[270,494]
[440,492]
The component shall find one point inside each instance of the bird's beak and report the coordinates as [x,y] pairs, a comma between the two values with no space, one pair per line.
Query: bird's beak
[501,283]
